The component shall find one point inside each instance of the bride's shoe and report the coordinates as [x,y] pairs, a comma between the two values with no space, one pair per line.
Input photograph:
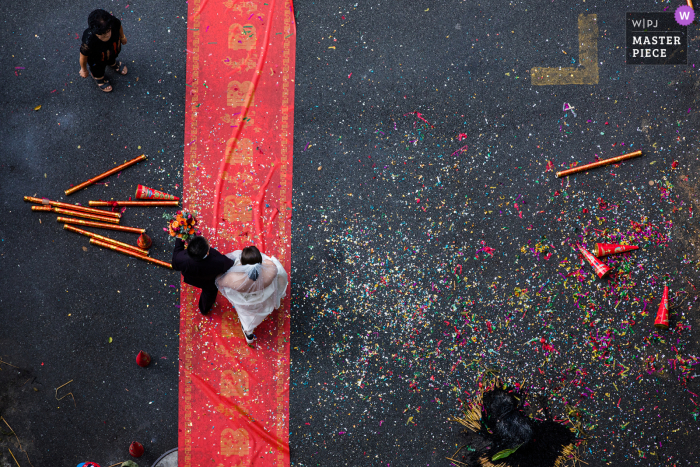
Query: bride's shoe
[249,338]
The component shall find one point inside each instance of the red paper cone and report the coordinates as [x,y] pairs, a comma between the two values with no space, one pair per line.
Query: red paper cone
[661,321]
[601,269]
[144,241]
[143,359]
[605,249]
[136,449]
[143,192]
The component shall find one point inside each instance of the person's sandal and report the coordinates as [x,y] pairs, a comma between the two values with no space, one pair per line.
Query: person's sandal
[103,84]
[119,67]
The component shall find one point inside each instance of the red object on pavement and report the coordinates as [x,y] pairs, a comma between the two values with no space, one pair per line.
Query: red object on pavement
[605,249]
[136,449]
[143,359]
[661,321]
[144,241]
[600,268]
[143,192]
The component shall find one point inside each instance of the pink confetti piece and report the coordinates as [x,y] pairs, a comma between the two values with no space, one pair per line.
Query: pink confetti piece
[419,116]
[462,149]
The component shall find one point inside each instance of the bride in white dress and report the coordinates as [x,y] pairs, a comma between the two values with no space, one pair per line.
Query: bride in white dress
[255,286]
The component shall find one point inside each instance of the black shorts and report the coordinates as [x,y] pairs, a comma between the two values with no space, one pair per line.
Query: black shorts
[98,69]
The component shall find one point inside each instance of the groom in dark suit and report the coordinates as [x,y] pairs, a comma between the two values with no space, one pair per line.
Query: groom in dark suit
[200,265]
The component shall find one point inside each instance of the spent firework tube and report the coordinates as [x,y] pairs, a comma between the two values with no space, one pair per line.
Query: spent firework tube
[101,225]
[72,207]
[661,321]
[134,203]
[72,190]
[121,244]
[601,269]
[143,192]
[94,241]
[605,249]
[104,239]
[593,165]
[85,215]
[111,220]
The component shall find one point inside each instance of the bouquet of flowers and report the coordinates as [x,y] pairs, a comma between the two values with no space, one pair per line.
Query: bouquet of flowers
[181,225]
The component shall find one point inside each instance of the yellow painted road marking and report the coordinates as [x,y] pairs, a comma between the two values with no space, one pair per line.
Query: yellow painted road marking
[587,73]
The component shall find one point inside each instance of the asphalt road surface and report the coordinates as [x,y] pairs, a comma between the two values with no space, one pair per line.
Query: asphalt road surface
[72,311]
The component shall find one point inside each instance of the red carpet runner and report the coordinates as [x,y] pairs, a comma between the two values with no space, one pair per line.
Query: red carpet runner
[234,400]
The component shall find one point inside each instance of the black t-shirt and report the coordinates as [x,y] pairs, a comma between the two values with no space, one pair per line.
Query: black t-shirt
[97,50]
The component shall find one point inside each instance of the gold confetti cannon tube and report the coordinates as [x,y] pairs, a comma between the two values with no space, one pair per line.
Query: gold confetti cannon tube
[85,215]
[105,239]
[134,203]
[94,241]
[593,165]
[72,207]
[100,225]
[70,191]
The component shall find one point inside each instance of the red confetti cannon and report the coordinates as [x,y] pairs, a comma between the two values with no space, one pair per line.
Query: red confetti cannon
[601,269]
[101,225]
[143,359]
[72,207]
[134,203]
[605,249]
[85,215]
[661,321]
[593,165]
[94,241]
[136,449]
[118,168]
[143,192]
[144,241]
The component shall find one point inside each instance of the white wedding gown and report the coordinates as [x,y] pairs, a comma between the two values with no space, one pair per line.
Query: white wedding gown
[253,299]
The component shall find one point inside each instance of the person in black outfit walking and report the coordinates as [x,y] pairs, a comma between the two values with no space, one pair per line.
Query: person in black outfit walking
[101,45]
[200,265]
